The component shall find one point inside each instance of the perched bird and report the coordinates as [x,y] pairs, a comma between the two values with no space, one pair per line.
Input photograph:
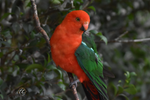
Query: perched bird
[74,56]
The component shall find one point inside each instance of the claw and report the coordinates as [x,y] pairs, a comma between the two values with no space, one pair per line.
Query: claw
[74,83]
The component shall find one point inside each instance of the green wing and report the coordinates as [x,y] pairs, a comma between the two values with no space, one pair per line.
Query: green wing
[90,62]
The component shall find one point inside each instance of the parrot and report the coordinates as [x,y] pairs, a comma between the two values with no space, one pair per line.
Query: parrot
[73,55]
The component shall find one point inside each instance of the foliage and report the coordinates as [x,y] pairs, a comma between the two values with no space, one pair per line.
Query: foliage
[25,59]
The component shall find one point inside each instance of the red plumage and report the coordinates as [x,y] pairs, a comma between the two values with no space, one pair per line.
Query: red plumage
[65,40]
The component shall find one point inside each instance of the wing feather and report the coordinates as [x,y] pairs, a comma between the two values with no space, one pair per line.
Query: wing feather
[90,62]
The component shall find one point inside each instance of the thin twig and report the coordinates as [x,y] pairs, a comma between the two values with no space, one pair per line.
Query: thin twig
[132,41]
[41,30]
[73,86]
[126,41]
[122,35]
[86,4]
[62,92]
[85,98]
[10,60]
[37,22]
[72,5]
[46,20]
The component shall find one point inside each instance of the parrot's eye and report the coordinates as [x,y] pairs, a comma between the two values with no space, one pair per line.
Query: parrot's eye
[77,19]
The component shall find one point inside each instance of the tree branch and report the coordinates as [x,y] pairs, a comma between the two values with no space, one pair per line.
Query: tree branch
[126,41]
[132,41]
[73,86]
[72,5]
[122,35]
[86,4]
[41,30]
[37,22]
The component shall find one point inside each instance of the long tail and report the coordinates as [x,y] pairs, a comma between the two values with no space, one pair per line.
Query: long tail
[91,92]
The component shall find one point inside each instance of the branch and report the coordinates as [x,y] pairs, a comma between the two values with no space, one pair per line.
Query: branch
[122,35]
[86,4]
[41,30]
[37,22]
[73,86]
[132,41]
[72,4]
[126,41]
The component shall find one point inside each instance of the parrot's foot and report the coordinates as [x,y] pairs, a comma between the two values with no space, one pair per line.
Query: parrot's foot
[74,83]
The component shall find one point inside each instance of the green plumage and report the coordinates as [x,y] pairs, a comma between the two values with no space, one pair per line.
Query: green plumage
[91,64]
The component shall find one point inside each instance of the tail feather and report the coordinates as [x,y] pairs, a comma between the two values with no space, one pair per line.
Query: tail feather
[87,93]
[91,92]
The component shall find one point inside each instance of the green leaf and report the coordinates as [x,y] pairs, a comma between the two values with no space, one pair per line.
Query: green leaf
[34,66]
[49,59]
[41,43]
[21,13]
[131,16]
[127,74]
[59,71]
[58,98]
[93,31]
[120,90]
[102,37]
[81,1]
[27,3]
[22,65]
[49,66]
[119,81]
[47,28]
[1,81]
[28,28]
[124,96]
[81,7]
[133,74]
[114,88]
[6,34]
[5,15]
[16,27]
[1,96]
[1,54]
[56,1]
[93,8]
[131,89]
[5,43]
[62,86]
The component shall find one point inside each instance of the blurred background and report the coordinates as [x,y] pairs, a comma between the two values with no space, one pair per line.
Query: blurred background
[120,29]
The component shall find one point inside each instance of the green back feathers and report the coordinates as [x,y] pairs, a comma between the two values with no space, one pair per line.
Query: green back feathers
[90,62]
[89,40]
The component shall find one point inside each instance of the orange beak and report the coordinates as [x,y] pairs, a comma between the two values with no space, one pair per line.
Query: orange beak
[84,26]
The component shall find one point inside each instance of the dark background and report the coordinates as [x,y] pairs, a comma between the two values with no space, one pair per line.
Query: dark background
[25,59]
